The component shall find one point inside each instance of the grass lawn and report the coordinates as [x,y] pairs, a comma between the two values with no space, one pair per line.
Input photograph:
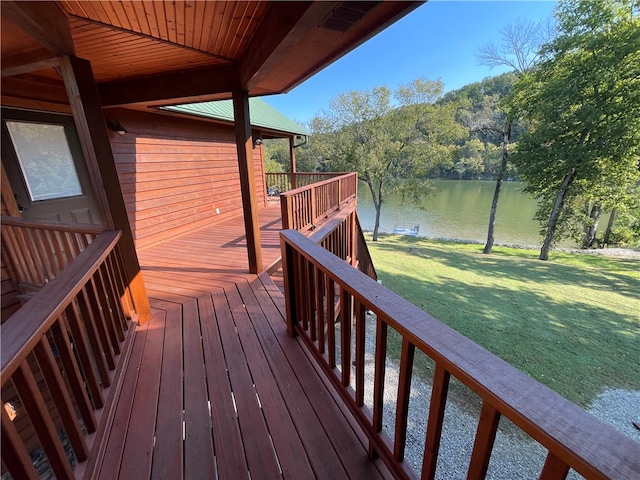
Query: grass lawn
[572,323]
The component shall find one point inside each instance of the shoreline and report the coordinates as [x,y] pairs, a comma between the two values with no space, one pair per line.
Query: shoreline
[615,252]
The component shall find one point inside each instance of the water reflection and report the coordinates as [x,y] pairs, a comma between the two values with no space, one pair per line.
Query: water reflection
[460,209]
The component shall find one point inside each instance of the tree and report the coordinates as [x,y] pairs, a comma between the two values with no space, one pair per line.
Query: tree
[276,155]
[519,49]
[392,148]
[583,103]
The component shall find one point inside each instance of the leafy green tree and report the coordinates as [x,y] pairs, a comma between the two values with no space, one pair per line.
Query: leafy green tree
[518,49]
[583,103]
[276,155]
[393,148]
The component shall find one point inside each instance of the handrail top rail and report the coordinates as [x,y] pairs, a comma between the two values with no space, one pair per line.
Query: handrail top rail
[339,176]
[25,327]
[308,174]
[324,230]
[553,421]
[61,227]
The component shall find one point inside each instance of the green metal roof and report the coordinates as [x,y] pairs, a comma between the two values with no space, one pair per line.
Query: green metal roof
[262,114]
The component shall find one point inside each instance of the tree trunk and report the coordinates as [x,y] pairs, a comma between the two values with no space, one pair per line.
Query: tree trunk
[555,214]
[377,224]
[607,233]
[377,203]
[496,193]
[591,228]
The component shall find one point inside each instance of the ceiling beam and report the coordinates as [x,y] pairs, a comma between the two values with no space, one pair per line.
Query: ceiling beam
[28,62]
[45,22]
[280,29]
[173,87]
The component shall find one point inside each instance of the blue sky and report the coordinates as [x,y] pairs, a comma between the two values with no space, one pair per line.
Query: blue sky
[439,39]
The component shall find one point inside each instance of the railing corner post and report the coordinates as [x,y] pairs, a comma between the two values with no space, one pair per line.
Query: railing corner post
[288,272]
[314,207]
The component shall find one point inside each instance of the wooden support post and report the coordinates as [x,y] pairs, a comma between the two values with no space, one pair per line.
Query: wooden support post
[292,160]
[244,144]
[288,273]
[92,132]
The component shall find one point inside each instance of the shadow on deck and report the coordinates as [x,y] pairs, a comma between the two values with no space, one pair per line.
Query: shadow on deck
[215,387]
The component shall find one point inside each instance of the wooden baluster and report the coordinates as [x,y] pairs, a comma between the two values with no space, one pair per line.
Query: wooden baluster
[31,252]
[80,346]
[81,240]
[74,377]
[295,213]
[13,249]
[61,398]
[75,243]
[352,239]
[378,378]
[320,309]
[437,405]
[113,293]
[402,404]
[34,404]
[345,336]
[45,253]
[25,246]
[331,321]
[554,468]
[101,306]
[96,328]
[57,248]
[483,444]
[89,324]
[65,245]
[360,319]
[310,299]
[67,248]
[122,305]
[14,455]
[303,275]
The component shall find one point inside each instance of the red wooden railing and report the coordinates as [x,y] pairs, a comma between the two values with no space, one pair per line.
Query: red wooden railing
[342,236]
[61,350]
[315,280]
[286,181]
[37,252]
[303,207]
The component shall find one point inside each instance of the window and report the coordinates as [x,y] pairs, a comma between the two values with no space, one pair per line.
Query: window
[45,160]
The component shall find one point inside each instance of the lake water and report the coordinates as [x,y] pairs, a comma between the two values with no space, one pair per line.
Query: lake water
[460,209]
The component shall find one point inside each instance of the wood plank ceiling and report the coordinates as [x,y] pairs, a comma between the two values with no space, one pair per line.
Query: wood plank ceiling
[161,52]
[154,37]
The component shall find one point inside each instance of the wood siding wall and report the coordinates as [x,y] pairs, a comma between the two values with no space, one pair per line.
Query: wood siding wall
[175,173]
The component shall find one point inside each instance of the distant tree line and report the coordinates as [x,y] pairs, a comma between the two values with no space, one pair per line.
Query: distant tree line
[474,154]
[566,120]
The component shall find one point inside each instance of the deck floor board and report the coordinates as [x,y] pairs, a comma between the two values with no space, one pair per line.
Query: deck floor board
[215,387]
[168,455]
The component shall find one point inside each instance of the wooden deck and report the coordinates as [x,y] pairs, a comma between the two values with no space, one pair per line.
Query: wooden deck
[215,388]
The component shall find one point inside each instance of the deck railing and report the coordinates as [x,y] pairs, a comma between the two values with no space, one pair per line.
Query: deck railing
[61,350]
[303,207]
[315,280]
[286,181]
[342,236]
[37,252]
